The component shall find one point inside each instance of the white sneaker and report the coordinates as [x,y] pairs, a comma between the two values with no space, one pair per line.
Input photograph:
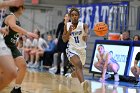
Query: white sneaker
[107,76]
[68,75]
[29,64]
[53,68]
[116,77]
[35,65]
[85,86]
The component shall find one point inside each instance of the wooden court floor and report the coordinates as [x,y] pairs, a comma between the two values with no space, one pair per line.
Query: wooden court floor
[45,82]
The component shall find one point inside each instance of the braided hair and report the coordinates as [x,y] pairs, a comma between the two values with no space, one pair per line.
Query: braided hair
[74,9]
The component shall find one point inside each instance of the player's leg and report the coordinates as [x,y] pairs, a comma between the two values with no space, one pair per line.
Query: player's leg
[37,57]
[114,67]
[79,72]
[98,66]
[26,54]
[32,56]
[21,64]
[8,70]
[78,67]
[136,73]
[66,62]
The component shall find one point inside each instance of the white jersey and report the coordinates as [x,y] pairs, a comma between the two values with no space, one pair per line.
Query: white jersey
[42,44]
[34,43]
[76,40]
[27,43]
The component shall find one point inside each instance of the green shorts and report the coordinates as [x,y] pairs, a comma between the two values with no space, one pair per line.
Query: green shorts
[15,52]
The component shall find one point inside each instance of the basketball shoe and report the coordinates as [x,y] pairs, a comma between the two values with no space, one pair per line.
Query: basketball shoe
[18,90]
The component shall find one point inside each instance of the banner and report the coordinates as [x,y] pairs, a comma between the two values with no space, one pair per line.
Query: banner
[115,15]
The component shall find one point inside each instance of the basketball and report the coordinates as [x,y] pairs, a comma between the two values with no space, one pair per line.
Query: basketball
[101,29]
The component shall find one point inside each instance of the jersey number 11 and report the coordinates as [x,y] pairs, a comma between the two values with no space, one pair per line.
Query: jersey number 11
[76,39]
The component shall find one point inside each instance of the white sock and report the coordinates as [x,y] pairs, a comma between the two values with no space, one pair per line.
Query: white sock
[36,62]
[82,83]
[17,86]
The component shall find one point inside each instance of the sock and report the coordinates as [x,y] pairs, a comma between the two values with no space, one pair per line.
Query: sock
[17,86]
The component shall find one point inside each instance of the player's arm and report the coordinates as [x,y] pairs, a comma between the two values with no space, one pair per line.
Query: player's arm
[86,30]
[135,63]
[136,60]
[11,22]
[98,58]
[66,34]
[8,3]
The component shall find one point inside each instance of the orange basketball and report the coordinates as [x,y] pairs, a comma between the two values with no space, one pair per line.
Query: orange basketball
[101,29]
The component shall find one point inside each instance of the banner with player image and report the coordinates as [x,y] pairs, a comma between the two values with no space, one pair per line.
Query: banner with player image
[114,14]
[135,50]
[119,50]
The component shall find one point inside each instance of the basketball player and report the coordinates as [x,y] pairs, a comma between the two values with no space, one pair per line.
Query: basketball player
[76,33]
[136,68]
[14,28]
[106,63]
[7,67]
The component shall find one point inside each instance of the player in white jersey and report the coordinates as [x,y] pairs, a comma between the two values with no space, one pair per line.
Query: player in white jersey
[7,67]
[76,33]
[106,63]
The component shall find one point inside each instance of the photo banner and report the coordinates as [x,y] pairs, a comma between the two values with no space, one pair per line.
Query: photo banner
[115,15]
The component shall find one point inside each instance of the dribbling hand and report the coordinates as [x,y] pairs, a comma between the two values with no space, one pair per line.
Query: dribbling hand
[4,31]
[71,28]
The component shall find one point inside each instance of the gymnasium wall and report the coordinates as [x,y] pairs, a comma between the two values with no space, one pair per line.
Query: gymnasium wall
[46,18]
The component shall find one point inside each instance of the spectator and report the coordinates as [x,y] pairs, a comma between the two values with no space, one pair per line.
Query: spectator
[49,52]
[61,46]
[27,46]
[126,35]
[136,38]
[40,47]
